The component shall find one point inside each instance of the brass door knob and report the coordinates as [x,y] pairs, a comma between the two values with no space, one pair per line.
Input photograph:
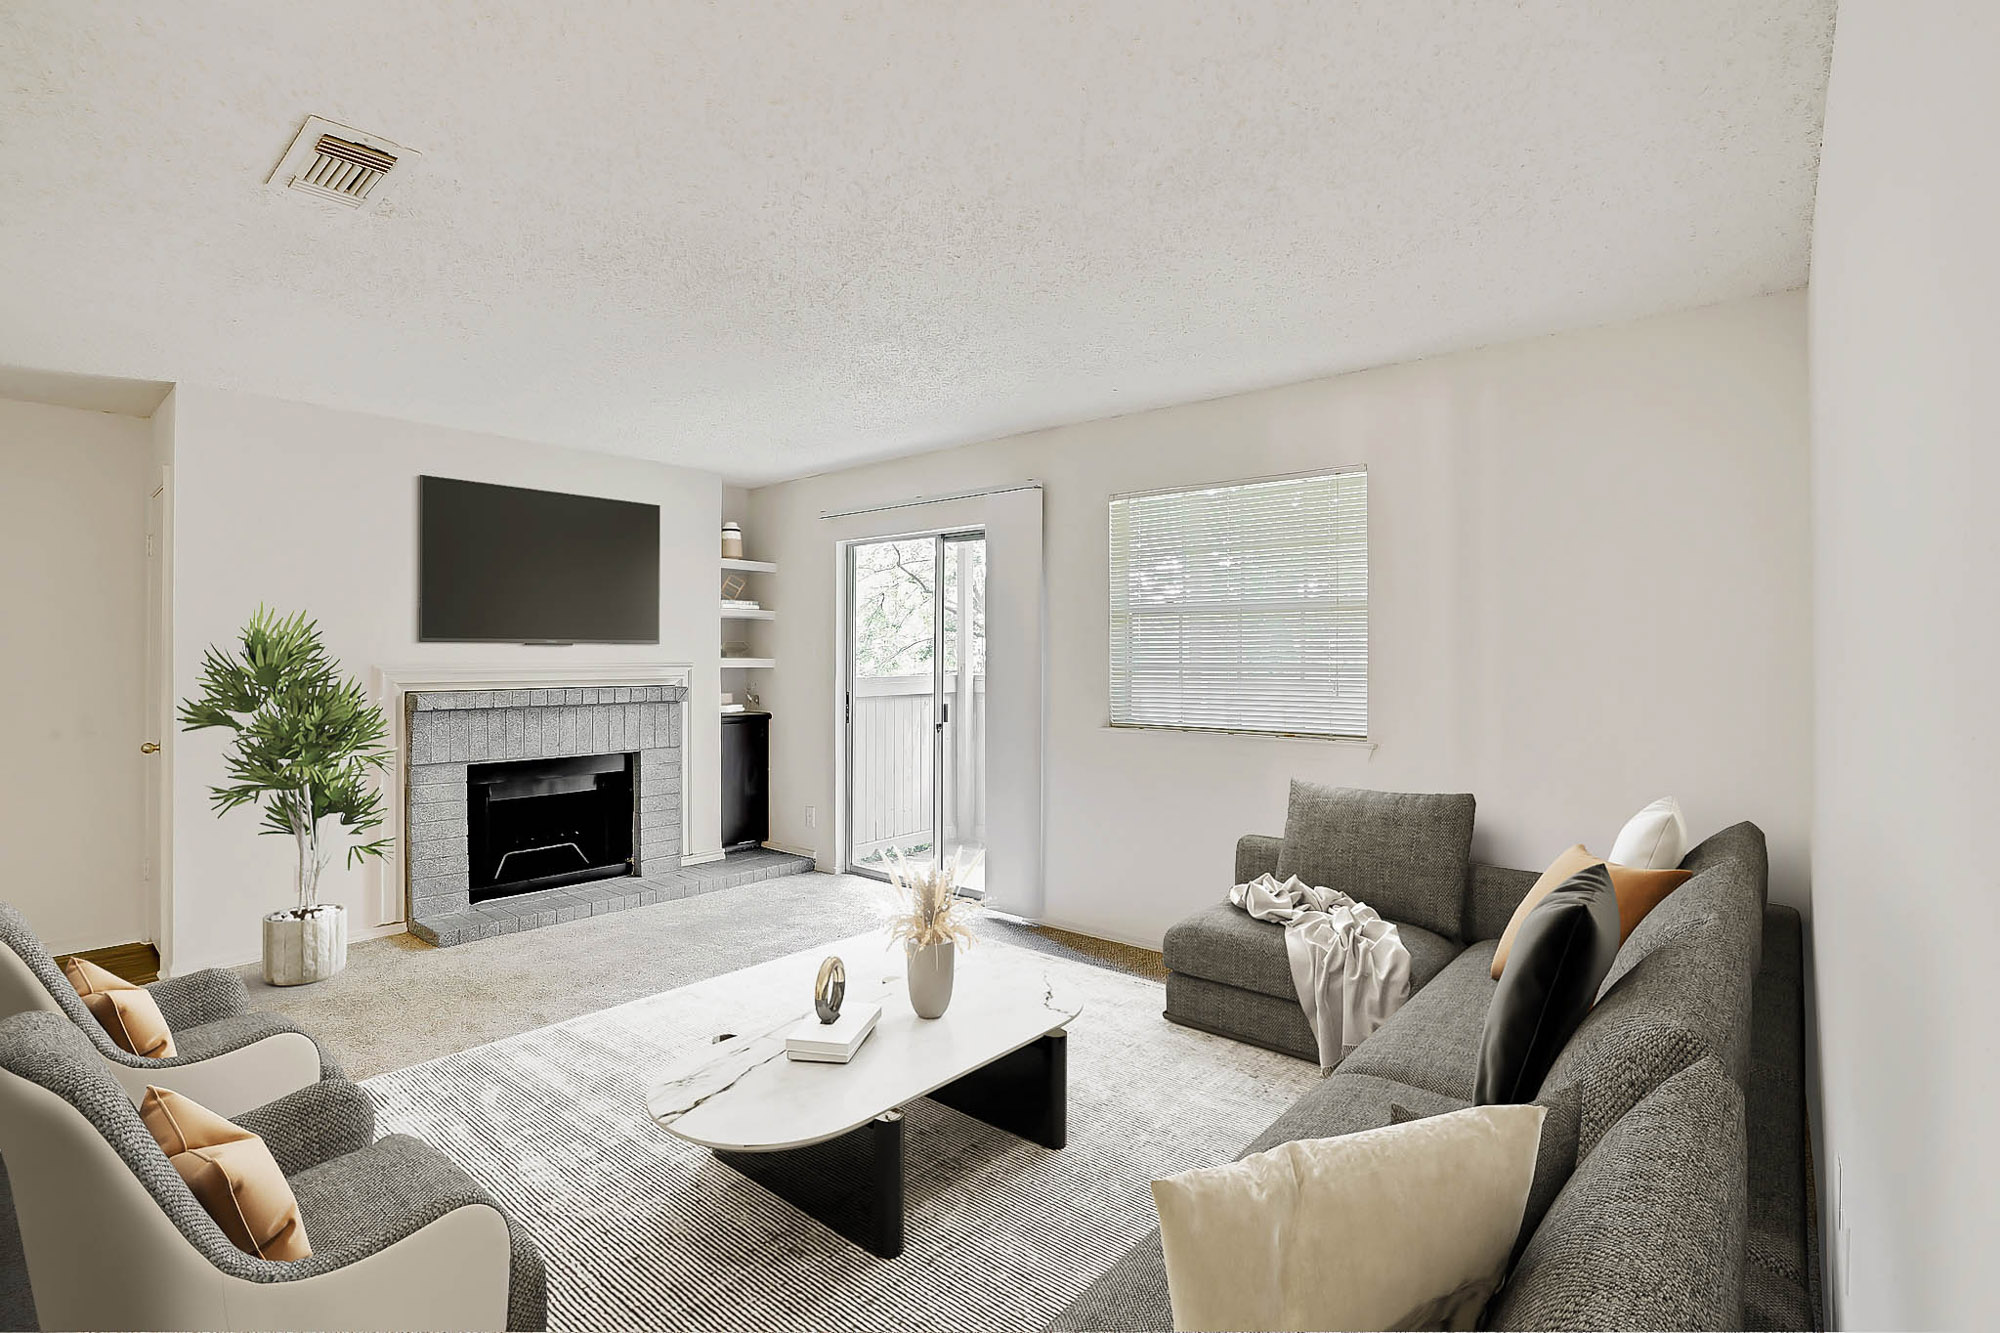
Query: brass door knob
[150,747]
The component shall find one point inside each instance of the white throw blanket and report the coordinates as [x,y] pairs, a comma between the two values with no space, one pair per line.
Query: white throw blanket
[1351,967]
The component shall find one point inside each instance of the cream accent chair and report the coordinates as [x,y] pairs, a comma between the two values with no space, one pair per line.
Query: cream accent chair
[401,1237]
[229,1056]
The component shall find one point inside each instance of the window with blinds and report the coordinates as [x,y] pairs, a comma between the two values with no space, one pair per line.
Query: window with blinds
[1243,607]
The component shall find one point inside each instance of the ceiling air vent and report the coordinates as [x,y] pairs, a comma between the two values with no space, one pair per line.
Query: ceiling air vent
[339,165]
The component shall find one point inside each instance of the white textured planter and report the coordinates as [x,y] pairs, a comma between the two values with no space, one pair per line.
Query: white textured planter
[303,949]
[931,969]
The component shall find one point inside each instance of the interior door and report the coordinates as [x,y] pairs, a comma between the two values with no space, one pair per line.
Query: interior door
[914,699]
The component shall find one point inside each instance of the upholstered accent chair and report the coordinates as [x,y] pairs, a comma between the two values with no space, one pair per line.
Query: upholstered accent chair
[401,1236]
[229,1056]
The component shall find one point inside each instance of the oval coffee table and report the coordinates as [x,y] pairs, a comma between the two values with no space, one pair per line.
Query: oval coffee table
[828,1138]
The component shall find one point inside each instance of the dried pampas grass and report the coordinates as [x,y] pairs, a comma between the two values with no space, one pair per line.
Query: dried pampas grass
[932,912]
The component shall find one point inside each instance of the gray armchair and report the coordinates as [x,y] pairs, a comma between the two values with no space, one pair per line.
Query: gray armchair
[401,1236]
[229,1057]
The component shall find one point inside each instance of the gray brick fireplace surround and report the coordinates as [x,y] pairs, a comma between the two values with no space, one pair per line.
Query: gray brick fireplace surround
[451,729]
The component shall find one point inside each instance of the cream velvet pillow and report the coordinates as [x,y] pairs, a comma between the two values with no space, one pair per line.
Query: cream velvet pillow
[1408,1226]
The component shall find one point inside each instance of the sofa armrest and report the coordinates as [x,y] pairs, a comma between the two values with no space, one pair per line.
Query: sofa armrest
[318,1123]
[200,997]
[1256,854]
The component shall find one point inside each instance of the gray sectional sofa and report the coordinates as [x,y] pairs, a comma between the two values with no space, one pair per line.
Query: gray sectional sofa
[1686,1206]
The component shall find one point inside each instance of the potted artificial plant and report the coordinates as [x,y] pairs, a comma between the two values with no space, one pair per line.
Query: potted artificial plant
[306,739]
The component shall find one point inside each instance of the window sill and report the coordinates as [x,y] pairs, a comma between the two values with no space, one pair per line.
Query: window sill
[1357,742]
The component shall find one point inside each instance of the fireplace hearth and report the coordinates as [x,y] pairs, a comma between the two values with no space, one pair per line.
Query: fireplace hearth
[542,823]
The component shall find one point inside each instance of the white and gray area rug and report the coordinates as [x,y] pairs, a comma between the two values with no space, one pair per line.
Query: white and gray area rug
[641,1229]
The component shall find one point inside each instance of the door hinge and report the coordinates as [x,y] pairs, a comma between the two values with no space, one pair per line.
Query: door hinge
[847,716]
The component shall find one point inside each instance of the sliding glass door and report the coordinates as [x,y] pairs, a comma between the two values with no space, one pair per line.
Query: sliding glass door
[915,699]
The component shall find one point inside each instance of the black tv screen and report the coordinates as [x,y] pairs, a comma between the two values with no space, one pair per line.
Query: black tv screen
[504,564]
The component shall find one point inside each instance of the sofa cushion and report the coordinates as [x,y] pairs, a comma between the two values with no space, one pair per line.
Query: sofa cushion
[1405,1226]
[127,1012]
[1638,892]
[1679,989]
[1225,943]
[1648,1233]
[1405,854]
[231,1173]
[1555,1158]
[1132,1293]
[1344,1103]
[1564,949]
[1656,838]
[1432,1042]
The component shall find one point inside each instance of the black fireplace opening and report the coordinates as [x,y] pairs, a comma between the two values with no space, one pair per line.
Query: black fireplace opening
[537,823]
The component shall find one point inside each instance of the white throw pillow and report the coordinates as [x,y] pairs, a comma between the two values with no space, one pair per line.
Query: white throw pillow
[1654,839]
[1408,1226]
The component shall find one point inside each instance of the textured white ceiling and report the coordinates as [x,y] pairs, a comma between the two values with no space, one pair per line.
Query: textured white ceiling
[770,239]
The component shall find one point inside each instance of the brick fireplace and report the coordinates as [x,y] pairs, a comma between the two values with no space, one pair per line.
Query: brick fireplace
[604,743]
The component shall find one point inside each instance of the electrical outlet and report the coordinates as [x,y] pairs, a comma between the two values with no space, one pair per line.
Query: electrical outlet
[812,816]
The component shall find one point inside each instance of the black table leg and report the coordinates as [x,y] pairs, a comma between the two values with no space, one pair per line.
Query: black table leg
[1026,1093]
[853,1183]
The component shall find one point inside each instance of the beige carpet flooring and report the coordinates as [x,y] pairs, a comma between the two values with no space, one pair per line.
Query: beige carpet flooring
[401,1001]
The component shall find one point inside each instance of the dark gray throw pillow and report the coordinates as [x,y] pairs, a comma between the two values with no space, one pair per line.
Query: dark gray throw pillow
[1555,1160]
[1562,953]
[1405,854]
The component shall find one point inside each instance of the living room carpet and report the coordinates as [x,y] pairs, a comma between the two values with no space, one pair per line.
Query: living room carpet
[641,1229]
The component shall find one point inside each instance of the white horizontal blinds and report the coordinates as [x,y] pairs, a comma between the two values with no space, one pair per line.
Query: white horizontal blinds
[1243,607]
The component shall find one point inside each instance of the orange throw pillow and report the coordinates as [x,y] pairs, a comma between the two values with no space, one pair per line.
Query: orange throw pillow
[231,1173]
[128,1012]
[1639,892]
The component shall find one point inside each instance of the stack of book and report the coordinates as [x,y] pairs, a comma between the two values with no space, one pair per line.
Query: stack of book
[740,604]
[832,1043]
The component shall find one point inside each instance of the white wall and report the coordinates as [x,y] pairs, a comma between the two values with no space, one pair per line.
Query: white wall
[73,487]
[1905,326]
[1590,587]
[305,508]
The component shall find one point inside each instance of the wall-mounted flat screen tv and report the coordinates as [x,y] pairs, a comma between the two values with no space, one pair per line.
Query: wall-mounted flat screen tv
[508,565]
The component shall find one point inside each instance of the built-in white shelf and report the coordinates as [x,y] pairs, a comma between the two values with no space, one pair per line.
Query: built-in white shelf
[749,663]
[745,613]
[749,566]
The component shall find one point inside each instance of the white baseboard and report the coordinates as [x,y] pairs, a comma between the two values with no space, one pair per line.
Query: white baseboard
[702,858]
[789,850]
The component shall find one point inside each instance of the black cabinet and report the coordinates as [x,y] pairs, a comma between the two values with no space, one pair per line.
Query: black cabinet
[746,778]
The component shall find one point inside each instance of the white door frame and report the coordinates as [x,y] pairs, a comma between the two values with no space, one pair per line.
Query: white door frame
[157,874]
[1016,672]
[940,539]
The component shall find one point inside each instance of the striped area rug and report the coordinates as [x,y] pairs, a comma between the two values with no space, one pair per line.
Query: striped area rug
[642,1230]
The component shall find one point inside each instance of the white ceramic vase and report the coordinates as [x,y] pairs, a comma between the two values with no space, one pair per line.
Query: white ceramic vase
[299,950]
[931,969]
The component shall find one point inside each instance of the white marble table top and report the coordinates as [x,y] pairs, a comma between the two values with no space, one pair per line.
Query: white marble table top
[743,1095]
